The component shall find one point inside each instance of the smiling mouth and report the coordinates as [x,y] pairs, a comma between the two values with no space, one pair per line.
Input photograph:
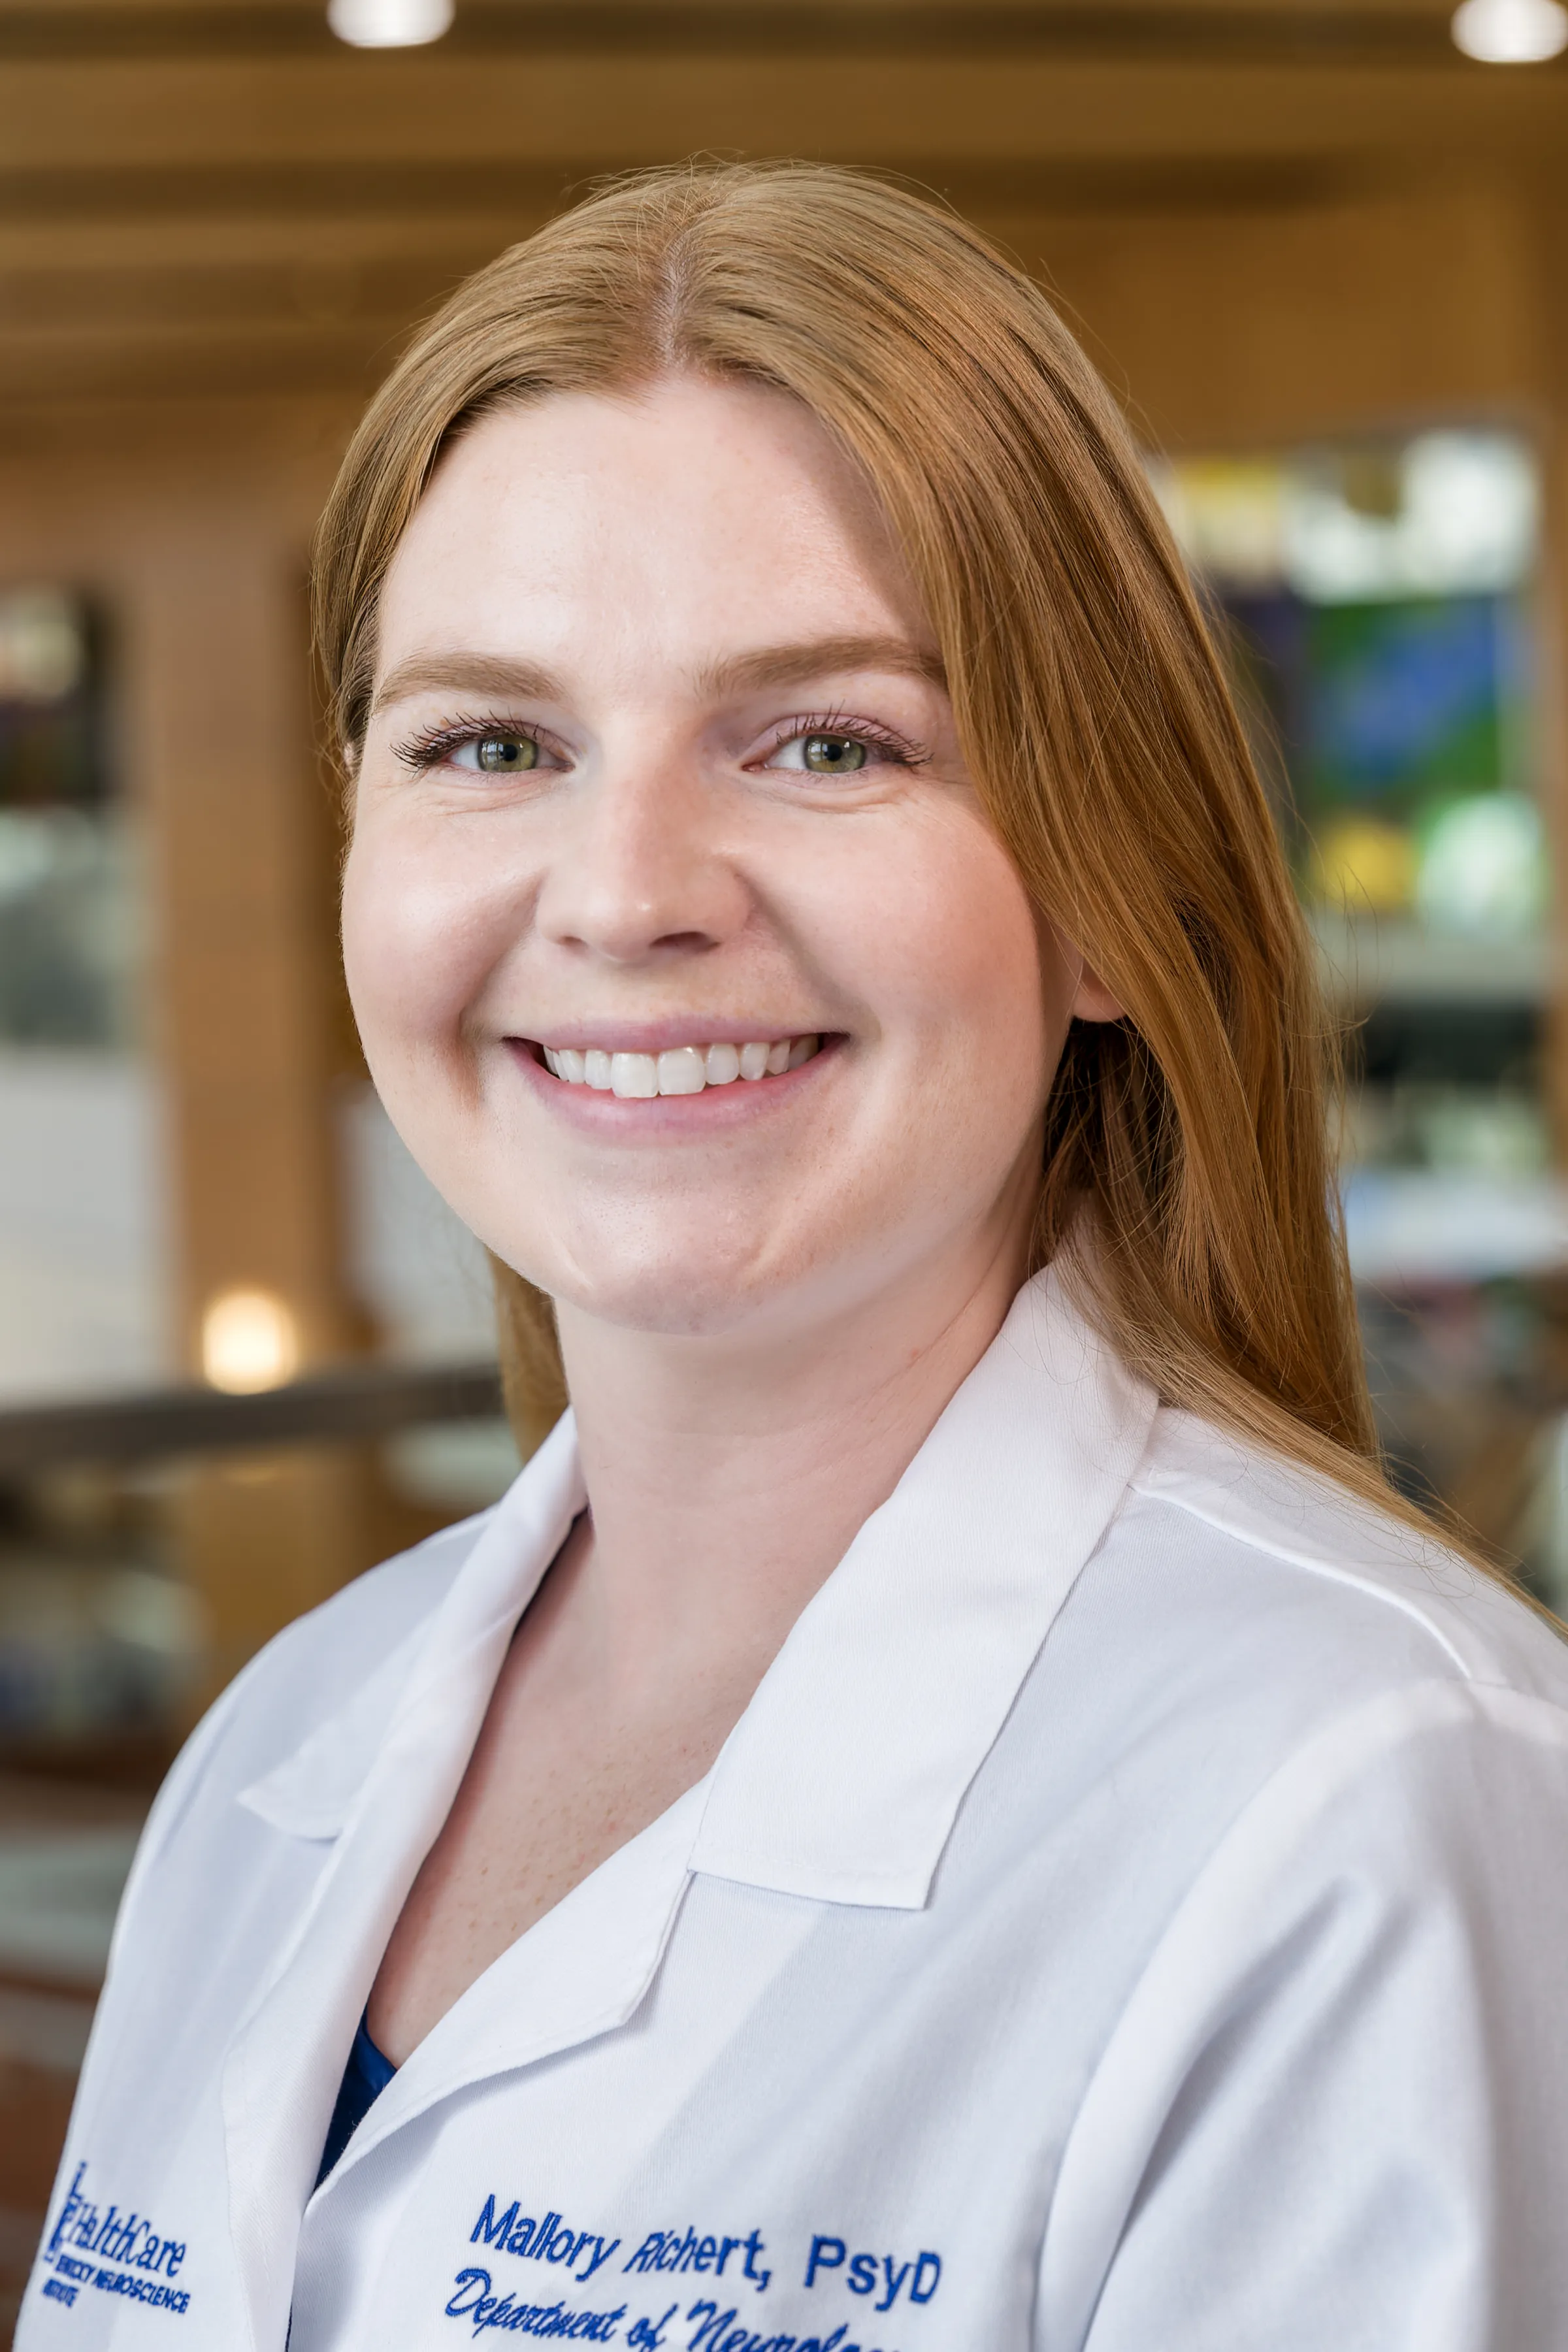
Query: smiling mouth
[680,1070]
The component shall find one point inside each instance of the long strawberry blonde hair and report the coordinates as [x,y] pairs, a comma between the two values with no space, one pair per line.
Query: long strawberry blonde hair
[1185,1145]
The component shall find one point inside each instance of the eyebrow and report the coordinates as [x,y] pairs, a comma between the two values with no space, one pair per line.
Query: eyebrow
[749,672]
[818,657]
[489,674]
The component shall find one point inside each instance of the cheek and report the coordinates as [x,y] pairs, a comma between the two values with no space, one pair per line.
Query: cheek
[965,961]
[421,934]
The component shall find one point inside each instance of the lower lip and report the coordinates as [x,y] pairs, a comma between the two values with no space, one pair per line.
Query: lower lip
[666,1117]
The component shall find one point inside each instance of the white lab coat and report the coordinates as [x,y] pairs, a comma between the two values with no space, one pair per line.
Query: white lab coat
[1130,1917]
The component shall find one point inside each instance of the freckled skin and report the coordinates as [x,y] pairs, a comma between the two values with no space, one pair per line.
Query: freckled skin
[761,1318]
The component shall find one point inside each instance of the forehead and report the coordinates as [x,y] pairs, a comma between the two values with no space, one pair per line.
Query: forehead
[671,525]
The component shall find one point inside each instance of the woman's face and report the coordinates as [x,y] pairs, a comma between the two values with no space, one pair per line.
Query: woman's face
[661,787]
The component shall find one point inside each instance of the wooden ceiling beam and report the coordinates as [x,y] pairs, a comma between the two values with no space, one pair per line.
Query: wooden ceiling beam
[1396,32]
[381,109]
[205,208]
[128,240]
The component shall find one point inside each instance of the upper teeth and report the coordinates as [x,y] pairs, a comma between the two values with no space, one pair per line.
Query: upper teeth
[682,1070]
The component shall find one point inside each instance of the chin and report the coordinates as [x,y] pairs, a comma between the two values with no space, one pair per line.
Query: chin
[681,1293]
[673,1307]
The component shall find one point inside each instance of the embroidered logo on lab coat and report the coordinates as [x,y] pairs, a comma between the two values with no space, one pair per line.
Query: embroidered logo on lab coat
[114,2251]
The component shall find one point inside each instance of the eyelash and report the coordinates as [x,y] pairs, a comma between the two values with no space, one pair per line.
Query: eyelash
[894,750]
[432,744]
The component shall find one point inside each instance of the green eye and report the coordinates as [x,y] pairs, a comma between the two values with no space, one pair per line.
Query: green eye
[507,755]
[833,755]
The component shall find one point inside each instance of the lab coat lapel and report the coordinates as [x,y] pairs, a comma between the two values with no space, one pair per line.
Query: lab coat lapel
[580,1971]
[282,2074]
[843,1779]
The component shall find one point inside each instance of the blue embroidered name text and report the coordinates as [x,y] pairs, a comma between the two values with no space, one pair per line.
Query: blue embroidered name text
[716,2333]
[474,2301]
[549,2241]
[668,2249]
[883,2275]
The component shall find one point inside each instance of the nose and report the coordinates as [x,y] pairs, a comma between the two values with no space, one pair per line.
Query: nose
[641,872]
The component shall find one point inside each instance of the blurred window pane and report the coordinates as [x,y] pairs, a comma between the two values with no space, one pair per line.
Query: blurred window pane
[1376,603]
[69,899]
[82,1250]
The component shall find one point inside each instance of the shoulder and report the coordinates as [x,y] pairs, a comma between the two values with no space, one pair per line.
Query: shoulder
[331,1677]
[1320,1787]
[1280,1716]
[308,1669]
[1339,1570]
[1363,1727]
[1245,1629]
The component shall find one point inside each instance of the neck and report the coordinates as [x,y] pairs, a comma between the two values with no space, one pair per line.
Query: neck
[727,1475]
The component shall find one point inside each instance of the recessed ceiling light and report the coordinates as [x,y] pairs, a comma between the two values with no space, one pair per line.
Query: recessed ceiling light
[389,24]
[1511,31]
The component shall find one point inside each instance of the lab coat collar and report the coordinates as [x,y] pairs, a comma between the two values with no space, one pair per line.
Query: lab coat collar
[842,1780]
[312,1793]
[844,1777]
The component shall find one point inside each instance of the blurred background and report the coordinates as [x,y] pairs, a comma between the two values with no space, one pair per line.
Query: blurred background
[1320,251]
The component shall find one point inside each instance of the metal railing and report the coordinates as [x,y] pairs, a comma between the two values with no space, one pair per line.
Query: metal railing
[352,1402]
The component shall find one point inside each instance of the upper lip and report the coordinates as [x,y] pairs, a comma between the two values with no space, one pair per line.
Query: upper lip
[663,1037]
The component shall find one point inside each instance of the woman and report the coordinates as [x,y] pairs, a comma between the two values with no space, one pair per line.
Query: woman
[950,1806]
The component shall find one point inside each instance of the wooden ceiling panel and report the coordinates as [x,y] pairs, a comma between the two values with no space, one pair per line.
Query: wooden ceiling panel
[217,193]
[1237,332]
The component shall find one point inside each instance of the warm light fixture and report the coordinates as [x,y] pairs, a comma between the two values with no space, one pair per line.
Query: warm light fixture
[249,1341]
[389,24]
[1511,31]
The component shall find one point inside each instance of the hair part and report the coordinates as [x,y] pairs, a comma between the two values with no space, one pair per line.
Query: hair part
[1186,1185]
